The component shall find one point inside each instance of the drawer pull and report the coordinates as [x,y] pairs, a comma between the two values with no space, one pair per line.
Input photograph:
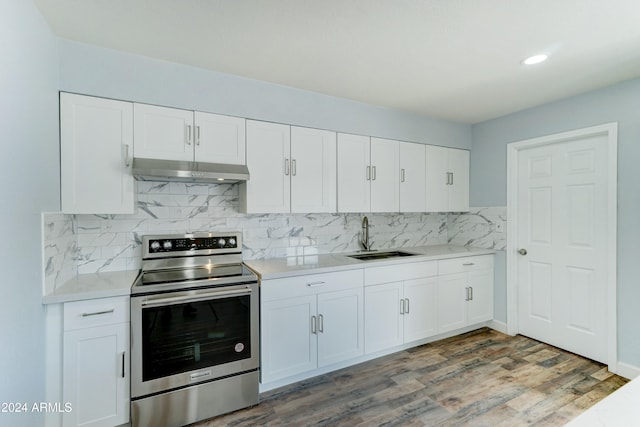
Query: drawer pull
[468,264]
[98,313]
[314,284]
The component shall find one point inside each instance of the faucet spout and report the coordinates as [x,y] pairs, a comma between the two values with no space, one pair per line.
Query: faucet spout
[364,238]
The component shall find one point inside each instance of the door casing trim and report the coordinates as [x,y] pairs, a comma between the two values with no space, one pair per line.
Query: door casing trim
[610,130]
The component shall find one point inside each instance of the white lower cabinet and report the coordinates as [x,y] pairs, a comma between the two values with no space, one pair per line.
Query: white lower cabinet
[402,311]
[95,369]
[465,292]
[311,321]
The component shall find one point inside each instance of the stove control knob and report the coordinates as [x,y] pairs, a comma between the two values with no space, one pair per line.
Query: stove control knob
[167,245]
[222,242]
[155,245]
[232,242]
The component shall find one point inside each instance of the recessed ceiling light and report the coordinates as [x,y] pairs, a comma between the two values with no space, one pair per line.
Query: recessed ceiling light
[535,59]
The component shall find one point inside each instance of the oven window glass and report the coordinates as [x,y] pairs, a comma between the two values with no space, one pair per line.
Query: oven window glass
[184,337]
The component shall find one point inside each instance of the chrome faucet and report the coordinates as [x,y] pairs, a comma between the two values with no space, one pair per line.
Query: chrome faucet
[364,237]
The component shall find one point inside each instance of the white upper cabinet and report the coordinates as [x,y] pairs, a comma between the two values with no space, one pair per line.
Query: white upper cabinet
[368,176]
[174,134]
[96,145]
[293,169]
[447,172]
[163,133]
[354,173]
[413,186]
[219,139]
[385,179]
[313,170]
[269,162]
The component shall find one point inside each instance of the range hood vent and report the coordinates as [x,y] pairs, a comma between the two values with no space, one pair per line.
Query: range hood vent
[174,170]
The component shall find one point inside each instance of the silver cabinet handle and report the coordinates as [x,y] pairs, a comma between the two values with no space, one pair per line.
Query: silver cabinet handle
[467,291]
[451,178]
[127,163]
[368,173]
[470,293]
[98,313]
[522,252]
[314,284]
[197,135]
[401,175]
[401,306]
[123,364]
[188,134]
[293,167]
[314,326]
[448,180]
[406,308]
[373,173]
[468,264]
[320,323]
[286,166]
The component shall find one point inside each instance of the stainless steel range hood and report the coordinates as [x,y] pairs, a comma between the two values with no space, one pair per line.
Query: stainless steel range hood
[174,170]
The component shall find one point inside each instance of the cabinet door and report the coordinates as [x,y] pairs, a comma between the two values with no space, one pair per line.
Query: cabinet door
[452,304]
[313,170]
[459,187]
[96,145]
[382,318]
[269,163]
[385,178]
[437,178]
[413,184]
[163,133]
[219,139]
[420,310]
[96,376]
[353,173]
[288,345]
[340,326]
[480,307]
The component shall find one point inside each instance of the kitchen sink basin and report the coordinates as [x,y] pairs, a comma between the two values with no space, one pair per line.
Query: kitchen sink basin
[372,256]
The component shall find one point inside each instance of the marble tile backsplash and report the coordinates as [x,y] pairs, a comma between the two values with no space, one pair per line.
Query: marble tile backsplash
[77,244]
[59,249]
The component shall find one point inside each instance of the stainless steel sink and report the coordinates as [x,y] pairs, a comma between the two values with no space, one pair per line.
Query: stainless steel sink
[372,256]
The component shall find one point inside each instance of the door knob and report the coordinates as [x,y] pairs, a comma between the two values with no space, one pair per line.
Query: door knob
[522,251]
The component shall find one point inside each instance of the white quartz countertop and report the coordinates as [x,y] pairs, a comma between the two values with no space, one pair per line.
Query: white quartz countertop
[619,409]
[309,264]
[90,286]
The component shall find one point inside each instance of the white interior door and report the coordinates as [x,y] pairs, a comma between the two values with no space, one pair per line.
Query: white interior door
[562,238]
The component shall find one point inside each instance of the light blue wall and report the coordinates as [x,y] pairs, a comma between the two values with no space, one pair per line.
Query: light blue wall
[103,72]
[29,184]
[618,103]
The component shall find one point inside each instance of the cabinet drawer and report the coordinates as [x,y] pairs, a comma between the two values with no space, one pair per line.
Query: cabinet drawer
[273,289]
[95,312]
[395,273]
[460,265]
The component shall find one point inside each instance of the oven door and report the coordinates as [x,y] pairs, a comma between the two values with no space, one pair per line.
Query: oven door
[188,337]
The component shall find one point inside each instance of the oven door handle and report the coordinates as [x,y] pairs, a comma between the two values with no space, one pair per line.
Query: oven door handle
[154,302]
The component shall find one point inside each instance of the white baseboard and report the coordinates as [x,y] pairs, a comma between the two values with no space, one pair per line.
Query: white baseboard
[498,326]
[628,371]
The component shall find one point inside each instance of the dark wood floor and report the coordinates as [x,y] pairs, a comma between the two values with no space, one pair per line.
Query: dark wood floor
[482,378]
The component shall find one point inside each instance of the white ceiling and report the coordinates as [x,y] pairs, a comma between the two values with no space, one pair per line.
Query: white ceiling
[452,59]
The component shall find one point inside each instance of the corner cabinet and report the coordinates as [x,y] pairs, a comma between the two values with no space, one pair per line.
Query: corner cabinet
[95,371]
[175,134]
[465,292]
[309,322]
[293,169]
[368,174]
[447,179]
[96,149]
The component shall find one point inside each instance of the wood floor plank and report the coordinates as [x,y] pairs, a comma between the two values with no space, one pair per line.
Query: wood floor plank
[482,378]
